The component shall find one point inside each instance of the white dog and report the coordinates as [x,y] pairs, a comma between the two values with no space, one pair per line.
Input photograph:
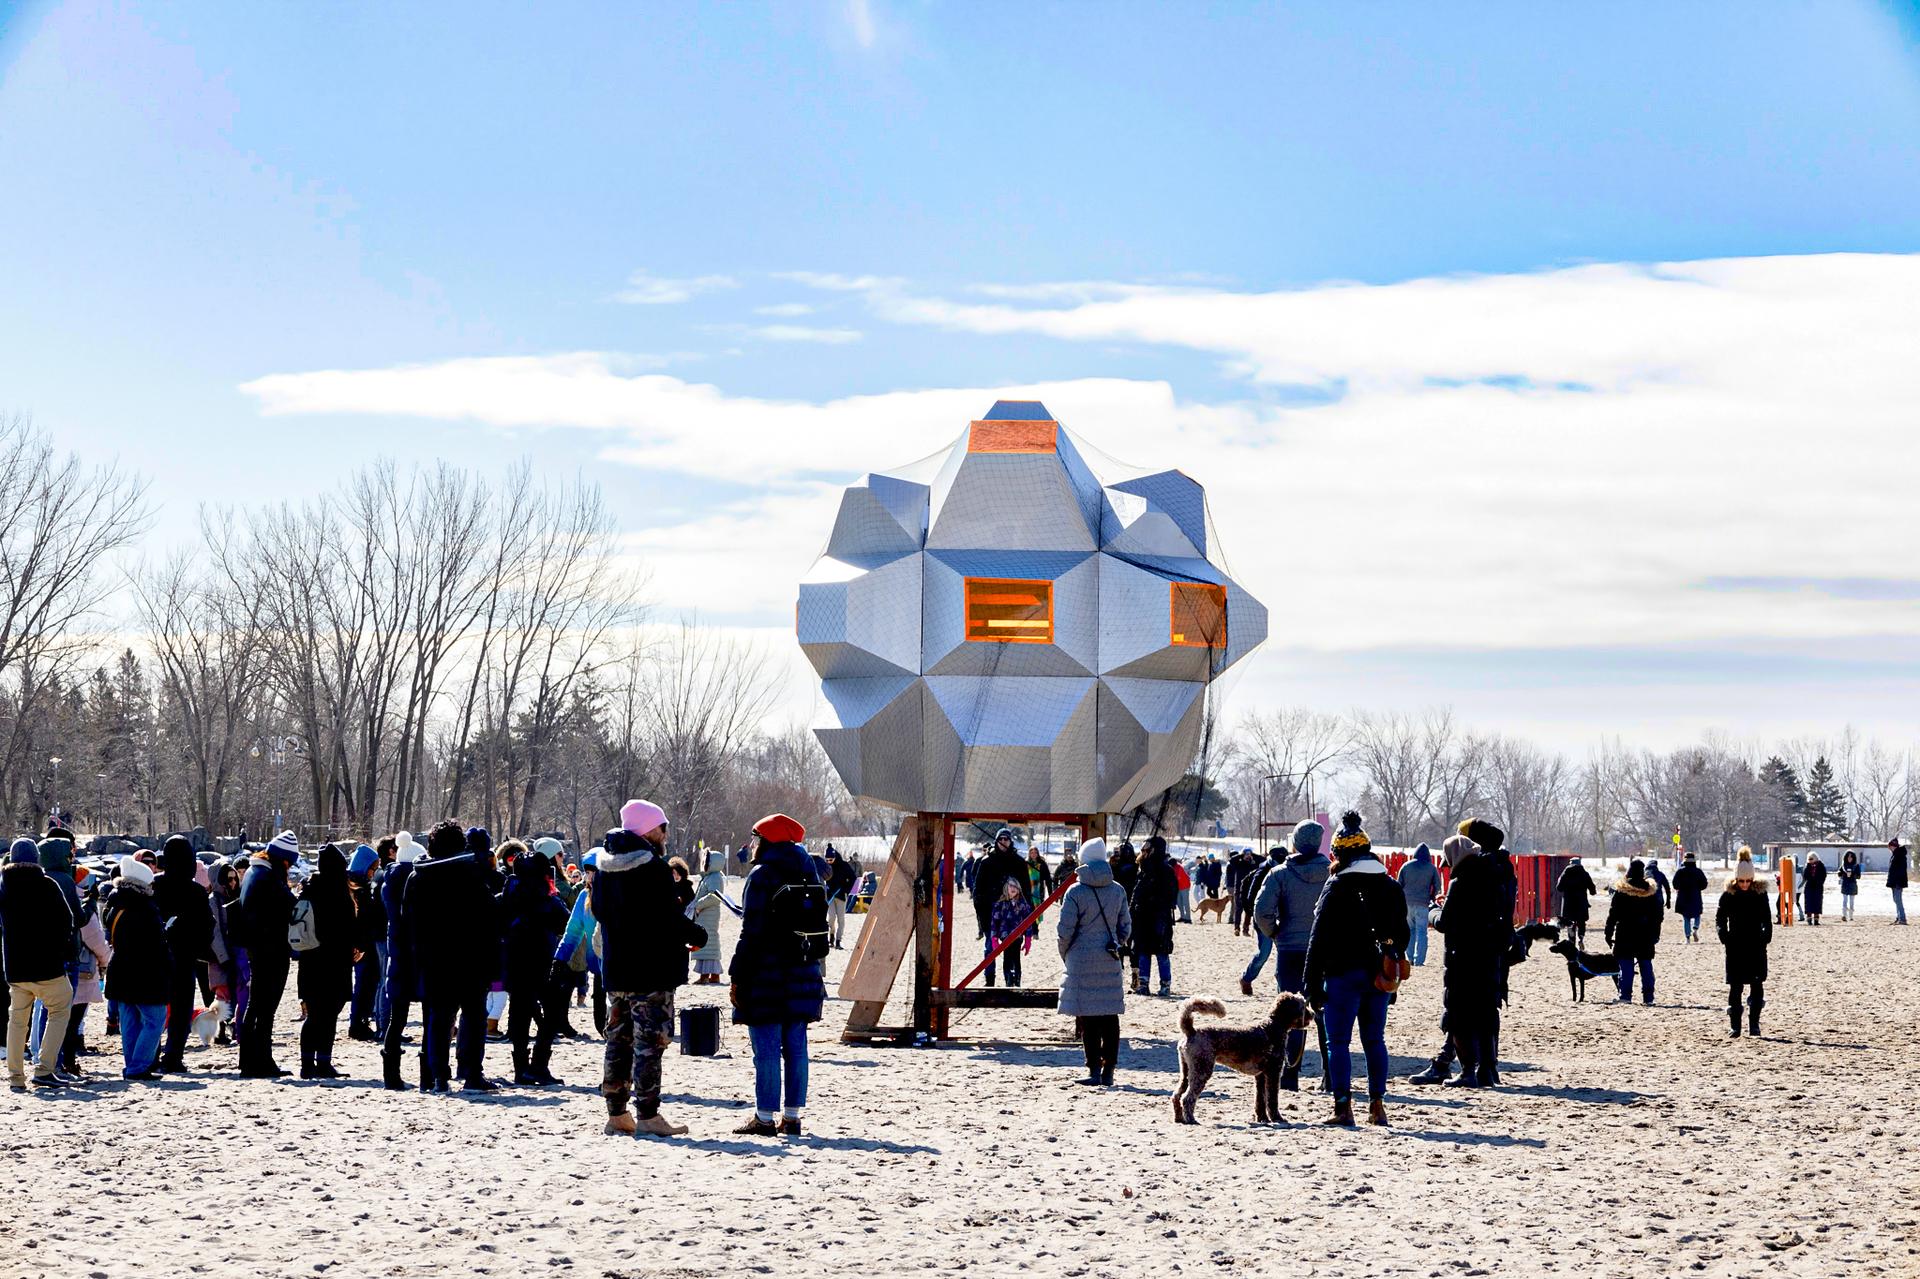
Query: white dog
[207,1021]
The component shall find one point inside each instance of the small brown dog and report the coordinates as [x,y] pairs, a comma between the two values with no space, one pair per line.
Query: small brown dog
[1218,905]
[1260,1051]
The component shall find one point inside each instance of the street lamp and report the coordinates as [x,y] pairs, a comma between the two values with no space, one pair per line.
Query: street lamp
[55,761]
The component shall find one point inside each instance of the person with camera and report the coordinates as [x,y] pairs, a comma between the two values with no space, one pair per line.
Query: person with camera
[1095,935]
[1356,958]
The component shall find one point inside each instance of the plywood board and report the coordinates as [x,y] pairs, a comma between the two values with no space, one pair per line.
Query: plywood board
[887,931]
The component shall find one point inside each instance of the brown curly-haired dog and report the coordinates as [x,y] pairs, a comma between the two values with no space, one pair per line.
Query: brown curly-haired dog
[1260,1051]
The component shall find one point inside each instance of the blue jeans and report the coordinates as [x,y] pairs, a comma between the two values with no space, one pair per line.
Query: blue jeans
[1265,943]
[1143,969]
[1351,997]
[1417,925]
[1690,926]
[1626,979]
[1899,907]
[140,1028]
[1290,973]
[775,1046]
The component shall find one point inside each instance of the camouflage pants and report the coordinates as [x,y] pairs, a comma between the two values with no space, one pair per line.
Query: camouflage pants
[639,1028]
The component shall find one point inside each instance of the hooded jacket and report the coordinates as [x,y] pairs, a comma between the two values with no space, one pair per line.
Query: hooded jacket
[1155,894]
[1420,880]
[1477,922]
[1813,887]
[142,967]
[644,937]
[1093,915]
[1689,890]
[56,858]
[1362,913]
[266,908]
[771,985]
[183,904]
[1633,920]
[38,930]
[535,919]
[326,971]
[403,980]
[1288,896]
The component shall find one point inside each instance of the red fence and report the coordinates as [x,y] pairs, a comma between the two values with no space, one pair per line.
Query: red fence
[1537,872]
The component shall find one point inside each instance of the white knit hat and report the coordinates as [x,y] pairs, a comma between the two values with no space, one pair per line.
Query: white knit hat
[1094,850]
[405,850]
[135,871]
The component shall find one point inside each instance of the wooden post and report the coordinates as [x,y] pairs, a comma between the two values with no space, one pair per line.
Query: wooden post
[927,840]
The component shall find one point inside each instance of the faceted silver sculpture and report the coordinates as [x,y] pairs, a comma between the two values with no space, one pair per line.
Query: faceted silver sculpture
[1005,628]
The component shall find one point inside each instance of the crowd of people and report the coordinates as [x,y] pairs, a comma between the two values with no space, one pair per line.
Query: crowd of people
[462,929]
[473,934]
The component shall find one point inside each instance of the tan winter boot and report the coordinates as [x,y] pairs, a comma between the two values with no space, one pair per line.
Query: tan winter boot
[621,1125]
[657,1126]
[789,1127]
[1377,1113]
[1342,1116]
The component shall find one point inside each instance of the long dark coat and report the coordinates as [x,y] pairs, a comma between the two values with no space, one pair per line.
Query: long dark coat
[1745,924]
[1633,920]
[1155,895]
[771,986]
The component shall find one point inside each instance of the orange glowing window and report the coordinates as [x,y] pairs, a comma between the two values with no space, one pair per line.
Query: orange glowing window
[1199,612]
[1006,611]
[1012,437]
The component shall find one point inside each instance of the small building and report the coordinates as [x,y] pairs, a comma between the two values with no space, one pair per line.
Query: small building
[1873,855]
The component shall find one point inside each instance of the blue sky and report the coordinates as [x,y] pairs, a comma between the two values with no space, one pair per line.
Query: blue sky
[204,197]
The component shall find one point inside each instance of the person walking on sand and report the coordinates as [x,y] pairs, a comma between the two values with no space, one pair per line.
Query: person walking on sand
[1154,894]
[1689,897]
[1420,881]
[1633,929]
[37,936]
[1001,864]
[778,973]
[1094,932]
[1897,878]
[141,976]
[1849,884]
[839,885]
[1361,923]
[645,942]
[1745,924]
[1262,932]
[1813,889]
[1576,889]
[1183,886]
[1008,914]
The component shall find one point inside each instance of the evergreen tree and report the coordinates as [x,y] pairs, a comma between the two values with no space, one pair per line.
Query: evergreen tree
[1789,801]
[1826,806]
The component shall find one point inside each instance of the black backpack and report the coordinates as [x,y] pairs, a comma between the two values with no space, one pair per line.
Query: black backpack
[800,914]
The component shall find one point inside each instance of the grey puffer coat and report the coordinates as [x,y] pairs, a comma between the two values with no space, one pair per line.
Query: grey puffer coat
[1093,914]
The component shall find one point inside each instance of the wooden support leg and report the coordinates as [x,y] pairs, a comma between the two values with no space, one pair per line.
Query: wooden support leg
[929,829]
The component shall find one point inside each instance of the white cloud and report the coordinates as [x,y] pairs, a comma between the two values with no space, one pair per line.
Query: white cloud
[860,23]
[653,290]
[1747,419]
[785,309]
[831,282]
[802,333]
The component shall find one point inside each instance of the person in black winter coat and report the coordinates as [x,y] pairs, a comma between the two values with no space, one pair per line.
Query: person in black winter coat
[1897,878]
[1477,921]
[1576,889]
[38,932]
[645,941]
[535,917]
[326,971]
[1689,896]
[1633,929]
[1155,894]
[369,943]
[1745,924]
[402,981]
[1002,862]
[188,912]
[1361,918]
[141,977]
[266,908]
[777,990]
[453,930]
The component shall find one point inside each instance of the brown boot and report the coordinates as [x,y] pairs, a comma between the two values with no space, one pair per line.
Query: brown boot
[757,1127]
[657,1126]
[621,1125]
[789,1127]
[1342,1116]
[1377,1113]
[1246,987]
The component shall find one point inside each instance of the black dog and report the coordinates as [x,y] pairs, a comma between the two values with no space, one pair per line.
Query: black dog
[1582,964]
